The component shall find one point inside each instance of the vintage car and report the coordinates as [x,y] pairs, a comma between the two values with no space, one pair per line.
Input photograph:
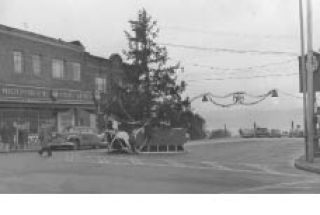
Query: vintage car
[77,138]
[275,133]
[262,132]
[246,133]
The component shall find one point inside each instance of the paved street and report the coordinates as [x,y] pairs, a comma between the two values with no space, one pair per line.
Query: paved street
[224,166]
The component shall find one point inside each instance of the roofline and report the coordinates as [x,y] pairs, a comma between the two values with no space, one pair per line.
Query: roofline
[98,57]
[39,38]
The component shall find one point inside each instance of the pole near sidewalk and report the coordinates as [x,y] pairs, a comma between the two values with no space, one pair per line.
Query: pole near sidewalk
[310,94]
[304,75]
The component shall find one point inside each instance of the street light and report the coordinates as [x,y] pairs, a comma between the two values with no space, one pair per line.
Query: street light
[205,98]
[274,93]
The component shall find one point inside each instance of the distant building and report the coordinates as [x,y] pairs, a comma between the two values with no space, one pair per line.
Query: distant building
[50,82]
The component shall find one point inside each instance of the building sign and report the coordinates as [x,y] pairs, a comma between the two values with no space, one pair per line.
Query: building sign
[74,95]
[25,92]
[22,125]
[13,91]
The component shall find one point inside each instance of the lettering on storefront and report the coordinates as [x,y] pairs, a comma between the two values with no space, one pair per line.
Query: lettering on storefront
[43,93]
[24,92]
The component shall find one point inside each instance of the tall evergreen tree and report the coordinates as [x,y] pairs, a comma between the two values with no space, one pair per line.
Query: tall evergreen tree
[155,90]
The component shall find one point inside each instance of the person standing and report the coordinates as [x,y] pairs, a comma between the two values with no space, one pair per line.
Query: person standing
[45,138]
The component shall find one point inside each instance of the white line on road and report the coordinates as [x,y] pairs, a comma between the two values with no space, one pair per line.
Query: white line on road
[279,185]
[268,170]
[135,161]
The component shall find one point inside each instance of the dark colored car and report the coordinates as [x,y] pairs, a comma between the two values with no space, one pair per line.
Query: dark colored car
[262,132]
[246,133]
[76,139]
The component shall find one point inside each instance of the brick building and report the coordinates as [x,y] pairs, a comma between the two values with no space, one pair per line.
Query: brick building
[50,82]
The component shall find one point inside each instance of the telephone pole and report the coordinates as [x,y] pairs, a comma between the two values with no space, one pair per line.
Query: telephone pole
[303,71]
[310,93]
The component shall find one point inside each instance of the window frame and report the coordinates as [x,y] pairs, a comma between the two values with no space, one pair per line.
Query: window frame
[76,71]
[58,64]
[36,58]
[18,62]
[101,84]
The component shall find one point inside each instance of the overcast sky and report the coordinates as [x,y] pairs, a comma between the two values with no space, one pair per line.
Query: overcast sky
[264,25]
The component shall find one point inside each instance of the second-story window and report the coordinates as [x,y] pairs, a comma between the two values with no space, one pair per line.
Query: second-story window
[101,84]
[76,71]
[57,69]
[36,64]
[18,62]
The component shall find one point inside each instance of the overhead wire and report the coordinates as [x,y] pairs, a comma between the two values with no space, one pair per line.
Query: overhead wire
[243,68]
[230,50]
[290,94]
[244,78]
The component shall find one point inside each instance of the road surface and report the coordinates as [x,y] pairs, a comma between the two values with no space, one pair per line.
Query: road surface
[212,166]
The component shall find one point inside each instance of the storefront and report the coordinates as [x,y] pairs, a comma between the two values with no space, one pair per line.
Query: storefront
[24,110]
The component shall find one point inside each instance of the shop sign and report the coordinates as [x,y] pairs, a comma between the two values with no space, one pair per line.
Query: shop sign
[27,92]
[43,93]
[21,126]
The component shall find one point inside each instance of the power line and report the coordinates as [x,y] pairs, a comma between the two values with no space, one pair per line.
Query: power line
[243,68]
[290,94]
[228,33]
[244,78]
[235,51]
[237,73]
[234,71]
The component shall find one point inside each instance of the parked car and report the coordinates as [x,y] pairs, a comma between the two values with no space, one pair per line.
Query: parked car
[297,133]
[60,141]
[285,134]
[275,133]
[262,132]
[246,133]
[77,138]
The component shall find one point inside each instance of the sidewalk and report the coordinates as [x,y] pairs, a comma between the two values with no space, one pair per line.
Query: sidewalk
[33,148]
[314,167]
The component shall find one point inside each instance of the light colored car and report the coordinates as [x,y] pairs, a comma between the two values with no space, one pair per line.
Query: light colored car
[275,133]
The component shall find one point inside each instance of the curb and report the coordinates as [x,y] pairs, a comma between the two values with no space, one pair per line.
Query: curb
[18,151]
[301,164]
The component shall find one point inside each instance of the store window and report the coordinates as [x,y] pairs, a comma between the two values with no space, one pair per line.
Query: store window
[18,62]
[57,69]
[101,84]
[76,71]
[36,64]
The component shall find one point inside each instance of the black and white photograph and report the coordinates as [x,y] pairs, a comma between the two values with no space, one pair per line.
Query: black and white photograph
[159,97]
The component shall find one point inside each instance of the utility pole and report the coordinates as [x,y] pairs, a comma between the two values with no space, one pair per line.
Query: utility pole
[304,74]
[310,94]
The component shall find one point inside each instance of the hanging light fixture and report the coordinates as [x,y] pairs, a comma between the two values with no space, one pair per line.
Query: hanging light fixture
[205,98]
[274,93]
